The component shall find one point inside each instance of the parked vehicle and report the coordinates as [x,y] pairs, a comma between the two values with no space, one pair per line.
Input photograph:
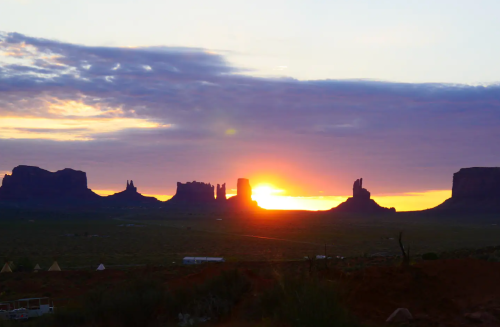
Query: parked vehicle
[23,309]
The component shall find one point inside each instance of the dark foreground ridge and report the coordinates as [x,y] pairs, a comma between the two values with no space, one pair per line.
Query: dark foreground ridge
[475,190]
[30,186]
[361,202]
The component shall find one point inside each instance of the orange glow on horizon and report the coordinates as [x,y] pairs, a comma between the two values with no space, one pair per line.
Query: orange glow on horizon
[269,197]
[161,197]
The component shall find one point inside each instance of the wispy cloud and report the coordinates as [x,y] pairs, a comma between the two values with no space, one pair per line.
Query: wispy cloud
[189,102]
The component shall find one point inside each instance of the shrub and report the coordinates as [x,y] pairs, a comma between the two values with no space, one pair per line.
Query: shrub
[216,297]
[300,302]
[135,304]
[429,256]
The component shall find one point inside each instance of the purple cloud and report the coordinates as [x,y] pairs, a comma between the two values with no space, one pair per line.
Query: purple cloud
[404,137]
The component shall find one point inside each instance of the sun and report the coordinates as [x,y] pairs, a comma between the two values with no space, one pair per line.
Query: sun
[266,195]
[264,190]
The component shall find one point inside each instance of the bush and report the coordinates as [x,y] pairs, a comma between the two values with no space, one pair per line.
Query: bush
[215,298]
[429,256]
[135,304]
[301,302]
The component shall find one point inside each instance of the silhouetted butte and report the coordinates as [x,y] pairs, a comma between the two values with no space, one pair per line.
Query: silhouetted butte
[360,202]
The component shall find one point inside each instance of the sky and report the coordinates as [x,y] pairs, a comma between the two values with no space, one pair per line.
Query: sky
[301,97]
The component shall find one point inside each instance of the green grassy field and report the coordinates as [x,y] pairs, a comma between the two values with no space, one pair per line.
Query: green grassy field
[165,238]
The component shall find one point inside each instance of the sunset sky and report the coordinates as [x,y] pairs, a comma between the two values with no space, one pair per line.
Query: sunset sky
[301,97]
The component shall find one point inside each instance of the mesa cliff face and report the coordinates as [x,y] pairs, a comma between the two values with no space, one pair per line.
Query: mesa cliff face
[475,189]
[193,192]
[201,195]
[476,183]
[33,183]
[361,202]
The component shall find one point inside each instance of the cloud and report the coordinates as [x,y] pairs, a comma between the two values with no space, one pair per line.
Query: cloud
[190,102]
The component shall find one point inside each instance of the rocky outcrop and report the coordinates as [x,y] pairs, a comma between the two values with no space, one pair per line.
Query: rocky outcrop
[476,183]
[361,202]
[193,192]
[475,189]
[243,197]
[221,193]
[28,183]
[130,187]
[130,196]
[358,191]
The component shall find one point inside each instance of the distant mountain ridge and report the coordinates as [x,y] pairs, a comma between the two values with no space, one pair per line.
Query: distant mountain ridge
[34,186]
[475,189]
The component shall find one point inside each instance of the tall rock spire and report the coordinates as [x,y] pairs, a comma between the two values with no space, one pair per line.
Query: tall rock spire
[221,192]
[131,187]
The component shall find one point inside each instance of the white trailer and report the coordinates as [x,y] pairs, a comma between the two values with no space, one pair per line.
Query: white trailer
[25,308]
[198,260]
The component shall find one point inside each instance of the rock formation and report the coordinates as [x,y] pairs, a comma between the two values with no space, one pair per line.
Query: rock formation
[221,192]
[130,187]
[475,189]
[358,191]
[243,197]
[131,197]
[193,192]
[476,183]
[361,202]
[33,183]
[35,187]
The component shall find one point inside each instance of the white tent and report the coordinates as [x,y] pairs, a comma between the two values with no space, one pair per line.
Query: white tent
[55,267]
[37,268]
[101,267]
[6,268]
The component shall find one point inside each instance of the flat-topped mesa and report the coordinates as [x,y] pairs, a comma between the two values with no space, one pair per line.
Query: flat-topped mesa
[476,182]
[243,197]
[358,191]
[474,190]
[221,192]
[193,192]
[360,202]
[34,183]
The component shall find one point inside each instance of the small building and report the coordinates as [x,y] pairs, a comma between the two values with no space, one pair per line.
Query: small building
[198,260]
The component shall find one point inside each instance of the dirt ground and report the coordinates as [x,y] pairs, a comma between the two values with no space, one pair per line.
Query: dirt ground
[451,292]
[455,292]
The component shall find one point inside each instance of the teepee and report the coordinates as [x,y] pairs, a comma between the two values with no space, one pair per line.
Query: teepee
[55,267]
[101,267]
[6,268]
[37,268]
